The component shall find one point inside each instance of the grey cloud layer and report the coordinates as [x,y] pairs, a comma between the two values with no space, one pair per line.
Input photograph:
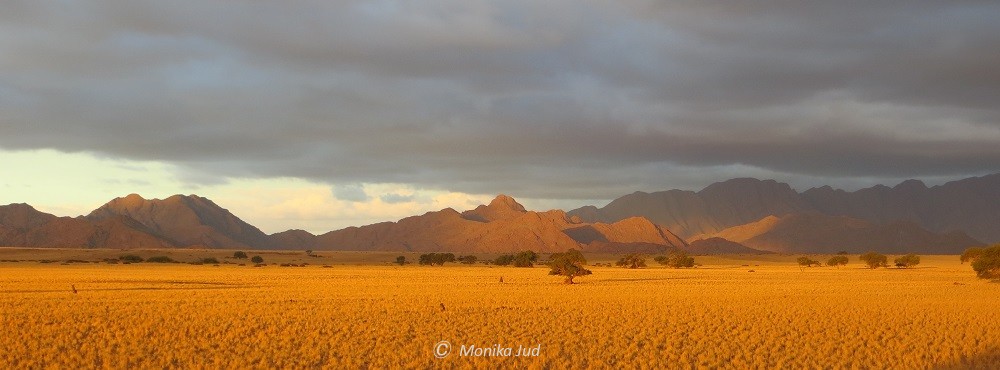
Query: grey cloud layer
[557,99]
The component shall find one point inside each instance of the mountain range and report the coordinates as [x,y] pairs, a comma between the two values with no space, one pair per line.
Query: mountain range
[736,216]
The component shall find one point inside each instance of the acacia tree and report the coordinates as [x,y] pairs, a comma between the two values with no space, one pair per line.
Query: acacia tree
[257,259]
[907,261]
[401,260]
[240,255]
[837,261]
[807,262]
[971,254]
[676,259]
[987,265]
[569,264]
[874,260]
[632,261]
[525,259]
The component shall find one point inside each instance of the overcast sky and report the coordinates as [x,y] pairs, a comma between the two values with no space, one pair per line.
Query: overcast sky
[348,112]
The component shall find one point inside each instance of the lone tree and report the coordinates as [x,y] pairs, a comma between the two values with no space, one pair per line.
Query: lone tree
[569,264]
[971,254]
[837,261]
[676,259]
[525,259]
[632,261]
[240,255]
[874,260]
[907,261]
[401,260]
[257,259]
[987,265]
[807,262]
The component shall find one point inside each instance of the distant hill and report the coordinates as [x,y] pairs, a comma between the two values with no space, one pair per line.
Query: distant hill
[23,226]
[815,232]
[185,220]
[502,226]
[971,205]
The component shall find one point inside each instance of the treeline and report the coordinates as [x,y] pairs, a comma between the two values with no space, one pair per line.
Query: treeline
[520,259]
[674,259]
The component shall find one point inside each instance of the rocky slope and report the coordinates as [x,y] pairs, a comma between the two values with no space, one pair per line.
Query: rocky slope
[814,232]
[23,226]
[185,220]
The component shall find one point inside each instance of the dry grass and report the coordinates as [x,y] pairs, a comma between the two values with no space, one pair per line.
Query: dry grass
[717,316]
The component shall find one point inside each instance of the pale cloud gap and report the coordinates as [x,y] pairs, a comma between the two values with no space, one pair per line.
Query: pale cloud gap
[559,101]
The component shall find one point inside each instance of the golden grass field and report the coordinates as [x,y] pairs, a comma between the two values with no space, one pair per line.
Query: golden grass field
[375,315]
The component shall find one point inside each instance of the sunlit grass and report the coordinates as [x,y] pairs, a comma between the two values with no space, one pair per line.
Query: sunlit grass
[718,315]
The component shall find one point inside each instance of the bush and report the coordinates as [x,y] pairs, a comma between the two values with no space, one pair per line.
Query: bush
[240,255]
[467,260]
[907,261]
[160,259]
[401,260]
[676,259]
[987,265]
[210,261]
[837,261]
[632,261]
[874,260]
[130,258]
[257,259]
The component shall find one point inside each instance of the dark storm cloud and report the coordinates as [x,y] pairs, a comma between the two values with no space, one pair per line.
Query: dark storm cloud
[556,99]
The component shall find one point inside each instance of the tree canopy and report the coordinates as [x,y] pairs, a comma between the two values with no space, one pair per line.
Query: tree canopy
[676,259]
[569,264]
[987,265]
[632,261]
[874,260]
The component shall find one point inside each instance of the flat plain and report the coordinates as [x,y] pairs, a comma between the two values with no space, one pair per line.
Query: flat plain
[366,313]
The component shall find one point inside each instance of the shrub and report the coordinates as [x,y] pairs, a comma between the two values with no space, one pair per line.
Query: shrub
[240,255]
[569,264]
[632,261]
[160,259]
[468,260]
[130,258]
[837,261]
[907,261]
[210,261]
[874,260]
[257,259]
[401,260]
[987,265]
